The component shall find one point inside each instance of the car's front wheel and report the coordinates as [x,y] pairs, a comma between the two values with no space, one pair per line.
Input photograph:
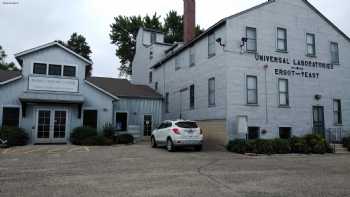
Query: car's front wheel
[153,142]
[170,145]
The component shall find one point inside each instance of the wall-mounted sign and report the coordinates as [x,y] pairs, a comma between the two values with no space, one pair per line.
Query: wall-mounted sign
[297,66]
[53,84]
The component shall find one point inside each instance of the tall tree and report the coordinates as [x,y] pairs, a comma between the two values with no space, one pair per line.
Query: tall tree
[78,44]
[3,65]
[124,32]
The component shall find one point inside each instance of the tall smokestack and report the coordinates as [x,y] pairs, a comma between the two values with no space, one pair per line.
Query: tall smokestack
[189,20]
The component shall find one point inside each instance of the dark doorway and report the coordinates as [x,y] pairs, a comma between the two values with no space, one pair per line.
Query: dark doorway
[318,114]
[253,133]
[90,119]
[147,125]
[285,132]
[121,122]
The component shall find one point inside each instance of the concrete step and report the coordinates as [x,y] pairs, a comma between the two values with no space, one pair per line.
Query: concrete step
[339,149]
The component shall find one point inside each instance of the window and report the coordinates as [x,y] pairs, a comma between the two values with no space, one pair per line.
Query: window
[281,39]
[192,57]
[156,86]
[55,70]
[310,44]
[192,97]
[10,117]
[150,77]
[337,112]
[211,45]
[153,37]
[90,119]
[121,121]
[211,92]
[285,132]
[69,71]
[39,69]
[252,90]
[334,53]
[167,102]
[283,92]
[251,39]
[178,62]
[253,133]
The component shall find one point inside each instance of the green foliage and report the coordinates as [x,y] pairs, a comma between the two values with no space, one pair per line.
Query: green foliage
[97,141]
[124,32]
[124,139]
[238,146]
[346,143]
[305,145]
[14,136]
[108,131]
[79,134]
[6,66]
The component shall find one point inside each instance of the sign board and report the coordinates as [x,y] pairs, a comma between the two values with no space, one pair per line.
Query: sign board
[53,84]
[242,124]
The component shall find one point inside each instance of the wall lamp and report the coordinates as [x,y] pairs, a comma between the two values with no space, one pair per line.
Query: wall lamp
[219,40]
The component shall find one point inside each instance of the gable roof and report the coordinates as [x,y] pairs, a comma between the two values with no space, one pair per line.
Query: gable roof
[55,43]
[123,88]
[223,22]
[9,76]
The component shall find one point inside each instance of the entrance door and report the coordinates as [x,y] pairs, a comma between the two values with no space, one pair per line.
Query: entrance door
[318,114]
[147,125]
[51,126]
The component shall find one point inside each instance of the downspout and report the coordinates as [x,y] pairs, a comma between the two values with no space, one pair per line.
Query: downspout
[266,96]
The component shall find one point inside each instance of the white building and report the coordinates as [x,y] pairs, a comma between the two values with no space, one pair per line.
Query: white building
[281,65]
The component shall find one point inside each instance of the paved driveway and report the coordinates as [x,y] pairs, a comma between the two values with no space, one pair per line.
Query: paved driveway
[138,170]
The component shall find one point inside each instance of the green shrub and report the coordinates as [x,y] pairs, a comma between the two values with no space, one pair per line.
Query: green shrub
[96,141]
[14,136]
[108,131]
[238,146]
[298,145]
[346,143]
[281,146]
[260,146]
[316,144]
[125,139]
[81,133]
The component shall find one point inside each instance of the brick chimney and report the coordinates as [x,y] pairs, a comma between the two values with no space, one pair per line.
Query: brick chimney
[189,20]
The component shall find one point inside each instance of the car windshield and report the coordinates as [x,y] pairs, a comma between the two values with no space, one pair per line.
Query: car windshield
[187,124]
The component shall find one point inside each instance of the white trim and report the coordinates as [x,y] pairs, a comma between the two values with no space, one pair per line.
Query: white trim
[102,90]
[11,80]
[17,55]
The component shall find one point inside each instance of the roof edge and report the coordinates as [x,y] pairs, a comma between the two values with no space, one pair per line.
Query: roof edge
[20,54]
[101,90]
[11,80]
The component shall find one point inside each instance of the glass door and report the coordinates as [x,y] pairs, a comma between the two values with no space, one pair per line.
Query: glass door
[318,116]
[51,126]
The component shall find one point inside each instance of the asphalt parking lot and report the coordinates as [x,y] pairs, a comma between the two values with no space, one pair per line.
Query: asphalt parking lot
[138,170]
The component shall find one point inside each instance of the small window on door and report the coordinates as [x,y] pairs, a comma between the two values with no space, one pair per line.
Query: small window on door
[90,119]
[285,132]
[253,133]
[121,121]
[10,117]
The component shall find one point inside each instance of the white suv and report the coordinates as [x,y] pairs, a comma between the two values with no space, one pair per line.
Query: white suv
[180,133]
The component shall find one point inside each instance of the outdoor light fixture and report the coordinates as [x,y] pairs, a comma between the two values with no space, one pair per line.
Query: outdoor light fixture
[219,40]
[318,97]
[243,41]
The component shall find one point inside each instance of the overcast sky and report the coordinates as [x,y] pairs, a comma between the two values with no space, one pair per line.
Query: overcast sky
[30,23]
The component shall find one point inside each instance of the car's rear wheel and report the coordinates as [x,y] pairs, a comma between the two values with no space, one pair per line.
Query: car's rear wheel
[170,145]
[198,148]
[153,142]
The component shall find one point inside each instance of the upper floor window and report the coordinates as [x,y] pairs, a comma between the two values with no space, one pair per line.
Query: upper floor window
[252,90]
[281,39]
[54,70]
[310,45]
[283,92]
[334,53]
[251,39]
[192,97]
[211,45]
[150,77]
[211,92]
[337,112]
[40,69]
[156,86]
[192,57]
[153,37]
[69,71]
[178,62]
